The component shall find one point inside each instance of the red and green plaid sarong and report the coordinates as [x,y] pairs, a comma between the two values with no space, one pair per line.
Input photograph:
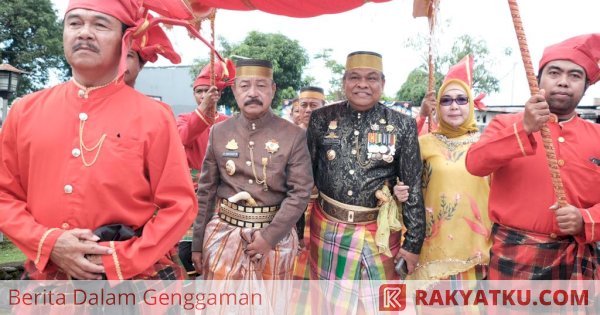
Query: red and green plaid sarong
[341,251]
[524,255]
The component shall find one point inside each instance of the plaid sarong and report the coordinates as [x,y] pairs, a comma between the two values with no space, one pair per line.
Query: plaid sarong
[301,266]
[526,255]
[167,268]
[341,251]
[346,251]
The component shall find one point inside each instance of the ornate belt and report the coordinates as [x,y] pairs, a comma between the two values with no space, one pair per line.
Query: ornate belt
[348,214]
[243,216]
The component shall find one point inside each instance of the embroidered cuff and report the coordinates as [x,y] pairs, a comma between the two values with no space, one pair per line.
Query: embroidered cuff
[116,261]
[589,226]
[40,249]
[112,265]
[203,117]
[526,142]
[519,139]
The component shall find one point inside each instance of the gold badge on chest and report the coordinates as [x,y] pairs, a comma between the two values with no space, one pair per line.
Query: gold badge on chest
[232,149]
[231,145]
[331,137]
[333,125]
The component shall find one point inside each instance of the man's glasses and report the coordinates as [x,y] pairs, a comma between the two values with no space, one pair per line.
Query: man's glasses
[460,100]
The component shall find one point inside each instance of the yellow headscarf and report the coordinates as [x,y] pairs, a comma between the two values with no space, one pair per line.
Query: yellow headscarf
[460,74]
[469,125]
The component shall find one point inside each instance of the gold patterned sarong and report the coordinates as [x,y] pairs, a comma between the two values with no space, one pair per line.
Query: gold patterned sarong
[224,256]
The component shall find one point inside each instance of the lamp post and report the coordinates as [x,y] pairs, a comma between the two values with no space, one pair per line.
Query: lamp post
[9,80]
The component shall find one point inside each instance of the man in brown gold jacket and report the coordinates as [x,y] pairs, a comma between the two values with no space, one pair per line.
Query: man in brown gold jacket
[255,183]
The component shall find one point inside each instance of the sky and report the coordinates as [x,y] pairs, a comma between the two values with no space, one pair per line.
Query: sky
[385,28]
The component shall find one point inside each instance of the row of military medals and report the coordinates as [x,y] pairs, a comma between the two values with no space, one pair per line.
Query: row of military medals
[381,145]
[271,147]
[381,141]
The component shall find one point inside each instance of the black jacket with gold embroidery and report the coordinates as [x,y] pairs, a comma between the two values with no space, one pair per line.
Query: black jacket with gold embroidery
[354,153]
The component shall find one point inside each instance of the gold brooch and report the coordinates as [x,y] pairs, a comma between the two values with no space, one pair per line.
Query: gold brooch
[330,155]
[231,145]
[389,128]
[272,146]
[230,167]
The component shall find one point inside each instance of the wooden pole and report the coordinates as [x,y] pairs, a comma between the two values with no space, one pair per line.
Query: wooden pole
[433,5]
[557,183]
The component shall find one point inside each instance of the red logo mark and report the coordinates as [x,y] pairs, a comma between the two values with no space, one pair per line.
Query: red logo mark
[392,297]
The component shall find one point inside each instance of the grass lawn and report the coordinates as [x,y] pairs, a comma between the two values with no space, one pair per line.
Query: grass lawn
[10,253]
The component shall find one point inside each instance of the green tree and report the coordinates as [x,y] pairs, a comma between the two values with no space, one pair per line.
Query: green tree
[336,91]
[31,40]
[415,86]
[288,57]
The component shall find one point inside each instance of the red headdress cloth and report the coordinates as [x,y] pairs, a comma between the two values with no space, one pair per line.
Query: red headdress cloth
[461,74]
[134,13]
[155,42]
[224,75]
[583,50]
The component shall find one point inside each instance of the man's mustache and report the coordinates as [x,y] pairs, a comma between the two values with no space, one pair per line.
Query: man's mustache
[89,46]
[253,101]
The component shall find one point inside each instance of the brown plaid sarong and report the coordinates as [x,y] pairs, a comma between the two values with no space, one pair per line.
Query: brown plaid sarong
[524,255]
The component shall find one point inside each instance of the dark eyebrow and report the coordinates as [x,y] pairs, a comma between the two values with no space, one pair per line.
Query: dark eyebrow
[579,71]
[103,18]
[97,16]
[555,68]
[72,16]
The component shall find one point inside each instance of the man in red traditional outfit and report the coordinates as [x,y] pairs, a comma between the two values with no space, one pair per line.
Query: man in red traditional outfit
[534,237]
[94,153]
[194,129]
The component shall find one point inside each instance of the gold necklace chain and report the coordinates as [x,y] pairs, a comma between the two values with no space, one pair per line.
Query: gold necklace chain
[453,144]
[264,169]
[85,91]
[84,148]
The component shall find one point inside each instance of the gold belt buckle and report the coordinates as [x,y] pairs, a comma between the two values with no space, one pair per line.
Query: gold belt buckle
[351,216]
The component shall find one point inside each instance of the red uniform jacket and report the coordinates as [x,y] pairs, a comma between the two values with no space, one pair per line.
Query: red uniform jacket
[521,190]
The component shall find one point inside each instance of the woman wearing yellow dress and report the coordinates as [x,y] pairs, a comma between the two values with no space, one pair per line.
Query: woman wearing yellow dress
[457,239]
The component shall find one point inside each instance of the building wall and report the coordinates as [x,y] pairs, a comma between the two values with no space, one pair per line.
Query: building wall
[172,85]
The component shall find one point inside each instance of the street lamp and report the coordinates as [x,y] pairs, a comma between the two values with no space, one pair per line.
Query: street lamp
[9,79]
